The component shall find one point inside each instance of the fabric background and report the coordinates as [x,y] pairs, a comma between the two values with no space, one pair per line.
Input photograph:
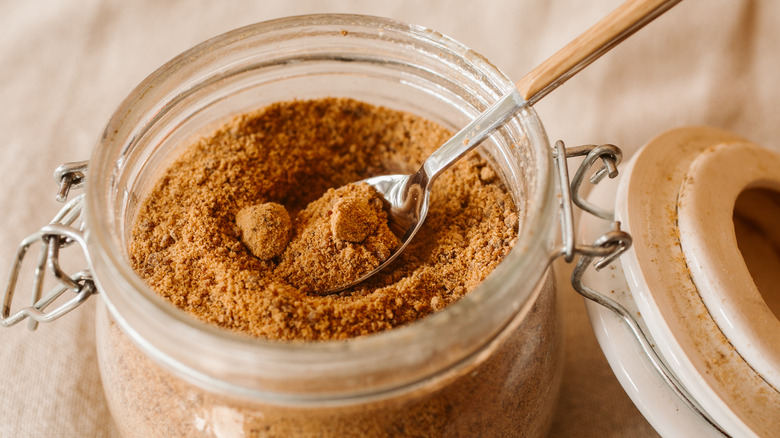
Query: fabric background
[67,64]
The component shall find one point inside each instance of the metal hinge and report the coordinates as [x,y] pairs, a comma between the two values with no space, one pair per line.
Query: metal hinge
[65,229]
[612,244]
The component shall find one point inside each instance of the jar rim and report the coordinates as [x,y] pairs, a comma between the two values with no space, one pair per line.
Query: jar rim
[129,299]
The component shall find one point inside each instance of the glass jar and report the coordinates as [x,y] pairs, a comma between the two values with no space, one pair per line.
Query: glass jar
[488,365]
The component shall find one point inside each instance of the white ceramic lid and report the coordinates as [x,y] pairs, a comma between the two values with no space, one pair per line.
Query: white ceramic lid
[709,323]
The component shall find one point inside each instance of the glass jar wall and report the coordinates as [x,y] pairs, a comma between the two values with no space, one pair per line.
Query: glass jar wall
[487,365]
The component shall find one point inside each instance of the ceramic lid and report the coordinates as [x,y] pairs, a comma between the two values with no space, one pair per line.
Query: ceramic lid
[686,280]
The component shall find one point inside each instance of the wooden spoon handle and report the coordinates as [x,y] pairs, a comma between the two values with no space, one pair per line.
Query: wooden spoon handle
[629,17]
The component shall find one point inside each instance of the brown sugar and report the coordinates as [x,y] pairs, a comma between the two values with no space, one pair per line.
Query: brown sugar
[188,247]
[189,244]
[353,219]
[338,238]
[265,229]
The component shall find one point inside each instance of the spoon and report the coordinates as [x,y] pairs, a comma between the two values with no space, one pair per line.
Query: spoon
[408,196]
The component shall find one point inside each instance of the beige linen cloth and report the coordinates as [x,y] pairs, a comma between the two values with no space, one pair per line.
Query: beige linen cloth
[67,64]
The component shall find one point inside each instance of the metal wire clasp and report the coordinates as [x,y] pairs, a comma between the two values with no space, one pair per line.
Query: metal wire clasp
[609,246]
[64,230]
[70,176]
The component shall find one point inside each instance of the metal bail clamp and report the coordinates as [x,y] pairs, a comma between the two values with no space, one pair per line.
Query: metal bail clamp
[612,244]
[65,229]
